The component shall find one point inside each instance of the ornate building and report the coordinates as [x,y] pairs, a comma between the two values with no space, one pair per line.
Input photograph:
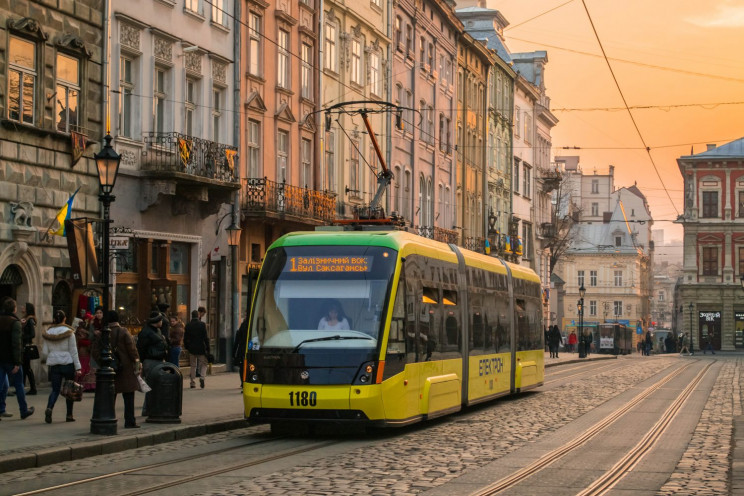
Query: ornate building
[50,107]
[710,293]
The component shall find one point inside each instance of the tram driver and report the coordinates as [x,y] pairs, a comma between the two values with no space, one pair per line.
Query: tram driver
[334,319]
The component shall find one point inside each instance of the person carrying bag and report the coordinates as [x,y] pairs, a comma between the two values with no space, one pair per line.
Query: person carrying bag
[61,354]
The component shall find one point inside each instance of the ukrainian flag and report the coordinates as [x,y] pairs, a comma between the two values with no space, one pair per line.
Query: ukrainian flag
[63,215]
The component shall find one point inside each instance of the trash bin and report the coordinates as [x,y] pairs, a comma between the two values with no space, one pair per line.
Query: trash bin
[165,400]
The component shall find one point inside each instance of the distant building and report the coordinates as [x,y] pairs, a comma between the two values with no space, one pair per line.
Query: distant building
[711,301]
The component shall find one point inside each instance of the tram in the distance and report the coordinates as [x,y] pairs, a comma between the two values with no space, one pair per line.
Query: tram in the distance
[386,328]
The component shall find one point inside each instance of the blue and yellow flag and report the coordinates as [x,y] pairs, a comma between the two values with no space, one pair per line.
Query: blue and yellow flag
[63,214]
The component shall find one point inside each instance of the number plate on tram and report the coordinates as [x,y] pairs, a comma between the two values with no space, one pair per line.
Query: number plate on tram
[303,398]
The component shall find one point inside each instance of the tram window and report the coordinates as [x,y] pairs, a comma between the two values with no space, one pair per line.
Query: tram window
[430,296]
[395,359]
[523,328]
[449,298]
[475,346]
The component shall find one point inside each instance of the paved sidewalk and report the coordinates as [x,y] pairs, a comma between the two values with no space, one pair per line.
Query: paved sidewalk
[34,443]
[567,357]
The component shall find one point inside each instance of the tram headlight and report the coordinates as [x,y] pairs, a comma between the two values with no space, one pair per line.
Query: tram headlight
[366,373]
[252,375]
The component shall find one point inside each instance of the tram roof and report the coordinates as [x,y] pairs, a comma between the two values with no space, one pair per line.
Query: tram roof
[406,243]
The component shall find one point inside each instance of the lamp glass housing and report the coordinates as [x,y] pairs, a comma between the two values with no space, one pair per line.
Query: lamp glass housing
[107,162]
[233,235]
[582,291]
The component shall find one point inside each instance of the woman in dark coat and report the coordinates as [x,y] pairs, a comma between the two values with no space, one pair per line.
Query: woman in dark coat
[130,367]
[28,335]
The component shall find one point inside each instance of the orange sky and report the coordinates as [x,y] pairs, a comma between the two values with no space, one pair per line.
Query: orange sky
[674,52]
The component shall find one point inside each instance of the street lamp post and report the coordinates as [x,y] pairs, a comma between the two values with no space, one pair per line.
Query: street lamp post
[582,342]
[691,307]
[233,239]
[103,420]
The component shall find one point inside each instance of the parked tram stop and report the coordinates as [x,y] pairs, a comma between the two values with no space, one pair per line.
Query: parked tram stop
[165,401]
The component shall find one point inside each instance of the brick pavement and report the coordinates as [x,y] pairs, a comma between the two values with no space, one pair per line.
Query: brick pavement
[33,443]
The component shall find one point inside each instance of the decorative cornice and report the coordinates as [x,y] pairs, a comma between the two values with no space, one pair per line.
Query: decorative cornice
[73,43]
[28,26]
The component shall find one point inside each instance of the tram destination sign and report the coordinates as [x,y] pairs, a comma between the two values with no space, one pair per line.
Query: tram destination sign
[329,264]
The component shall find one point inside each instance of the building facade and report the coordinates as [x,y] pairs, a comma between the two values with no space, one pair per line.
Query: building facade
[710,293]
[424,64]
[171,109]
[50,92]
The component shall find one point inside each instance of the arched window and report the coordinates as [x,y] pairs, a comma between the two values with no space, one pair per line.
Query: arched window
[407,196]
[447,221]
[396,190]
[429,202]
[421,207]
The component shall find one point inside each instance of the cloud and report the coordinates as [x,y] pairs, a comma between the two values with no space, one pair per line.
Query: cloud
[727,16]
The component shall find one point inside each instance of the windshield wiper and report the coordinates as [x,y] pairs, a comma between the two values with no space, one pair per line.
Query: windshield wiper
[327,338]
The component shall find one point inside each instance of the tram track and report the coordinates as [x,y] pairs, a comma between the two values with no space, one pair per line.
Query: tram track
[588,434]
[190,478]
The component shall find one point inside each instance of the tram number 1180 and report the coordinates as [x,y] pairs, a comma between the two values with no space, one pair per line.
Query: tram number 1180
[303,398]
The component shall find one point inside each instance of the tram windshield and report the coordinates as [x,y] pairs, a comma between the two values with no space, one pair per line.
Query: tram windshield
[321,297]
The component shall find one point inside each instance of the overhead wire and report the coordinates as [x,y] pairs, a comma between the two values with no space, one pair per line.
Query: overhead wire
[630,113]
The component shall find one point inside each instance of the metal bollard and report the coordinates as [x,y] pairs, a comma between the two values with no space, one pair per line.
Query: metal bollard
[166,398]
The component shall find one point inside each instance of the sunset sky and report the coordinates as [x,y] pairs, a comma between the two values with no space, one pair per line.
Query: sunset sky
[681,58]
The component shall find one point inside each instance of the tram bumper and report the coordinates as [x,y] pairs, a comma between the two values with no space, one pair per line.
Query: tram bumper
[311,403]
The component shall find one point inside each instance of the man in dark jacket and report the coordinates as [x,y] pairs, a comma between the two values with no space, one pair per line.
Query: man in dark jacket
[11,353]
[151,348]
[196,342]
[554,340]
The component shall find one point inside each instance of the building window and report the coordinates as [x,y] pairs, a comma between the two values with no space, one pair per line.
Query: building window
[710,261]
[376,3]
[216,114]
[527,241]
[126,85]
[741,260]
[307,71]
[595,209]
[374,73]
[661,295]
[517,121]
[282,155]
[398,34]
[580,278]
[593,307]
[396,191]
[527,190]
[330,160]
[331,57]
[710,204]
[409,39]
[595,186]
[218,12]
[618,278]
[430,56]
[306,150]
[356,61]
[422,51]
[741,203]
[618,240]
[190,106]
[68,93]
[516,175]
[407,196]
[618,307]
[592,278]
[160,98]
[527,128]
[21,80]
[192,5]
[254,154]
[254,44]
[282,63]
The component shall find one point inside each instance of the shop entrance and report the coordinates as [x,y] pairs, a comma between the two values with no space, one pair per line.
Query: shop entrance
[709,329]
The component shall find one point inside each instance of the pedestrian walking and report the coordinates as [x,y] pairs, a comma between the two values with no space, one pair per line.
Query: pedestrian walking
[152,349]
[683,347]
[95,325]
[554,340]
[196,341]
[165,329]
[4,386]
[648,343]
[84,345]
[61,355]
[572,341]
[29,351]
[126,382]
[239,347]
[175,338]
[11,353]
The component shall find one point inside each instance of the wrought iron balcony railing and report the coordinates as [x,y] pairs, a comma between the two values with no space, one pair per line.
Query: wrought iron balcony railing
[261,195]
[475,243]
[437,233]
[176,152]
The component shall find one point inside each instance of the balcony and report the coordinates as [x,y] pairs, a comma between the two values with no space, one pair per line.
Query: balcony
[437,233]
[475,243]
[190,160]
[264,198]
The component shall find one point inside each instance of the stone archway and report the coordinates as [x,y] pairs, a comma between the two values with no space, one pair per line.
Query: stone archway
[18,254]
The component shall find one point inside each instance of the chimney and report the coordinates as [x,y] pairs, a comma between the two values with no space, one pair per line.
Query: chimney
[612,170]
[710,146]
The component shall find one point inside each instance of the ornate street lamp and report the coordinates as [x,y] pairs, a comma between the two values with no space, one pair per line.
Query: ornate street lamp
[233,239]
[103,420]
[691,307]
[582,341]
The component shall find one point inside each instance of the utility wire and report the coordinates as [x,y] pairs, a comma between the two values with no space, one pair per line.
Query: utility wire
[630,113]
[538,15]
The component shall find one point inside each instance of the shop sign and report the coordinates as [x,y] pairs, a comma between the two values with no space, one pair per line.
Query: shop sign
[119,243]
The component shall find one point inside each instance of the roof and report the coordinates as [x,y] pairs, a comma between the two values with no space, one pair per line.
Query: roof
[479,23]
[734,149]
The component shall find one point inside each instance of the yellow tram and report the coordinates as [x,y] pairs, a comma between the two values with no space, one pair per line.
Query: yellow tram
[386,328]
